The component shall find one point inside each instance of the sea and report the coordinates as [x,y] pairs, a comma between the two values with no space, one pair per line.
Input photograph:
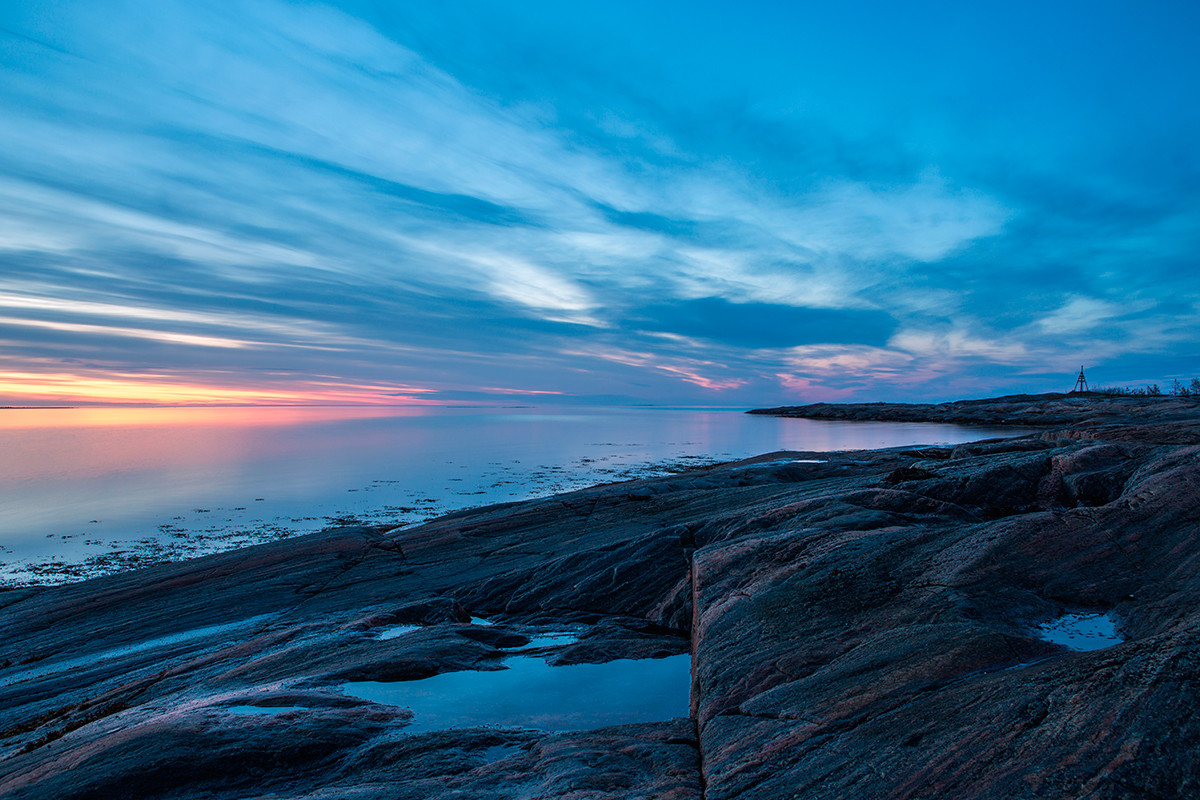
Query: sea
[90,491]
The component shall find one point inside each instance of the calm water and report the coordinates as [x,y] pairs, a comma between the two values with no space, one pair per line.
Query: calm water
[529,693]
[1082,631]
[88,491]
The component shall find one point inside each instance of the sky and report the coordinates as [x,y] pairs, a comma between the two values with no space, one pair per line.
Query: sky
[693,203]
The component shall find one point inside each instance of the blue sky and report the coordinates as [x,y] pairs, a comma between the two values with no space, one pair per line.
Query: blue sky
[613,202]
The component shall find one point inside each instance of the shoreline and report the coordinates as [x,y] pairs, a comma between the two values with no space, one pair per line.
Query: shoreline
[139,530]
[1024,410]
[853,619]
[143,553]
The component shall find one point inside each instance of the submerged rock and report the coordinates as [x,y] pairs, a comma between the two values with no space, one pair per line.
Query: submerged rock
[881,624]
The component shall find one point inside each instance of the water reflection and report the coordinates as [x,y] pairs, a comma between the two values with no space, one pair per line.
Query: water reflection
[102,487]
[396,631]
[1081,631]
[529,693]
[224,416]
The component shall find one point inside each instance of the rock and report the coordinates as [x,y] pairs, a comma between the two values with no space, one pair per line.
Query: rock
[863,627]
[908,474]
[1122,416]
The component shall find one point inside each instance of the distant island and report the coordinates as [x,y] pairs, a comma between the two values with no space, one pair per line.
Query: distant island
[1009,618]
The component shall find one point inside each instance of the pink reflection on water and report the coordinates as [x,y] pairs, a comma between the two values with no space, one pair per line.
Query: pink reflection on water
[77,483]
[19,418]
[81,442]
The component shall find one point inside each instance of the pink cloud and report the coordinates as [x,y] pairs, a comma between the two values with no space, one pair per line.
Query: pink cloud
[502,390]
[813,391]
[687,369]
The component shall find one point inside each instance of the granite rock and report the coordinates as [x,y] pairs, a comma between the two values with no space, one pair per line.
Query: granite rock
[872,625]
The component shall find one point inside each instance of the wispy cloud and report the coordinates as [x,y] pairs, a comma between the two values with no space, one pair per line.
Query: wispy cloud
[699,372]
[131,333]
[294,186]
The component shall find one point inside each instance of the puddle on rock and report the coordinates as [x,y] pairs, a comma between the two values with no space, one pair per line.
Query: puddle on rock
[264,709]
[550,639]
[500,752]
[1081,631]
[481,621]
[397,630]
[530,693]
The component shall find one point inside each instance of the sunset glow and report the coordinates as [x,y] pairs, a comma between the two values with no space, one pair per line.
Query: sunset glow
[72,388]
[344,202]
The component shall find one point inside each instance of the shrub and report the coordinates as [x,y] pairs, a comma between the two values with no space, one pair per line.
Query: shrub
[1178,388]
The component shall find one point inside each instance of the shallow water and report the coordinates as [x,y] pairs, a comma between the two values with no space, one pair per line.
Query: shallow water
[1081,631]
[394,631]
[499,752]
[550,639]
[89,491]
[532,694]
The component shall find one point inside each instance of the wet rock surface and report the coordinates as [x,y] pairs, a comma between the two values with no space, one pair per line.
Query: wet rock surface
[867,624]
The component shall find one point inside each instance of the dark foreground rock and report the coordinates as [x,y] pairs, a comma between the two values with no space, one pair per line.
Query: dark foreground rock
[861,624]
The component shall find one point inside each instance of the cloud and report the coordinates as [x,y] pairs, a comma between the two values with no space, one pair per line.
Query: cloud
[133,333]
[698,372]
[958,342]
[921,221]
[763,325]
[287,185]
[1080,315]
[812,390]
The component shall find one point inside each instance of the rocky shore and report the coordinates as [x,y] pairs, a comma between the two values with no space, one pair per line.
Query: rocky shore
[1082,411]
[885,624]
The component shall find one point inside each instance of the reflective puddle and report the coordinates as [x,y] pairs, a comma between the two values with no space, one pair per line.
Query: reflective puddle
[551,639]
[397,630]
[500,752]
[1092,631]
[530,693]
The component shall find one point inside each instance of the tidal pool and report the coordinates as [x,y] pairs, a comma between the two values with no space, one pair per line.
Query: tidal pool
[530,693]
[550,639]
[397,630]
[1081,631]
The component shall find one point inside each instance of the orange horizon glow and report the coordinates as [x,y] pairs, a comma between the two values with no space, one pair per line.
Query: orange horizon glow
[194,416]
[63,388]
